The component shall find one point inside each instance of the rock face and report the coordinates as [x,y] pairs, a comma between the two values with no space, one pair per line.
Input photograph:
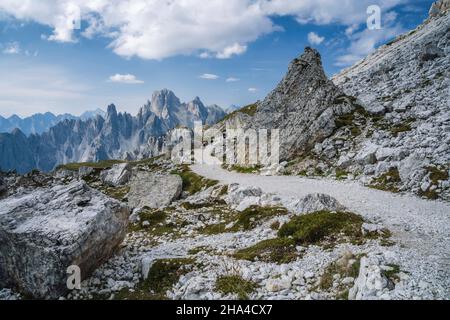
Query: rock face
[303,107]
[112,136]
[154,190]
[371,282]
[439,7]
[118,175]
[412,133]
[3,187]
[50,229]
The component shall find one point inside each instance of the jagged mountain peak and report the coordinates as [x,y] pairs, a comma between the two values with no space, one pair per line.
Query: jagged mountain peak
[310,56]
[111,110]
[307,65]
[17,132]
[439,7]
[112,136]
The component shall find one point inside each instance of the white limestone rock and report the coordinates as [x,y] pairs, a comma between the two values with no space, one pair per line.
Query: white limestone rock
[44,232]
[118,175]
[154,190]
[313,202]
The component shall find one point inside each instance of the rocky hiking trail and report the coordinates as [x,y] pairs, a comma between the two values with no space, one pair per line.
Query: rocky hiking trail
[422,227]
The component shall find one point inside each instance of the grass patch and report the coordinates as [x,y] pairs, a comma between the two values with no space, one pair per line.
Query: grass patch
[244,169]
[278,250]
[163,274]
[322,225]
[105,164]
[353,119]
[253,216]
[192,182]
[436,174]
[235,284]
[248,110]
[197,250]
[154,222]
[388,181]
[196,206]
[398,128]
[320,228]
[223,191]
[341,174]
[118,193]
[392,273]
[215,228]
[246,220]
[346,266]
[275,225]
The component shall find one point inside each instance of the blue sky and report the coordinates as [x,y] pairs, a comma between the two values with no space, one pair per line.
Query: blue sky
[122,57]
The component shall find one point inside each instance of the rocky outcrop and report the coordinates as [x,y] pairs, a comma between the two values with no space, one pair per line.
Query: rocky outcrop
[411,131]
[439,7]
[154,190]
[314,202]
[303,107]
[241,197]
[118,175]
[44,232]
[112,136]
[371,284]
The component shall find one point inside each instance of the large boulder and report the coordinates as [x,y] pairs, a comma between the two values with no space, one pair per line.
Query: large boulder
[313,202]
[118,175]
[44,232]
[238,194]
[154,190]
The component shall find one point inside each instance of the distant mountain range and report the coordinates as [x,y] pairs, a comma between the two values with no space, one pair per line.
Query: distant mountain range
[110,136]
[41,122]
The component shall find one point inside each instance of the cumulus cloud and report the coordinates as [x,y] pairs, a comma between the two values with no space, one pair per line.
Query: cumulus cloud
[11,48]
[125,78]
[157,29]
[365,41]
[232,79]
[252,89]
[228,52]
[315,39]
[209,76]
[324,12]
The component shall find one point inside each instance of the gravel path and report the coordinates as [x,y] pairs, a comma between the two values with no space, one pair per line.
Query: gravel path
[420,226]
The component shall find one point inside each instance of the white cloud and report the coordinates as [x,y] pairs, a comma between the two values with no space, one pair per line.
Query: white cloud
[232,79]
[324,12]
[209,76]
[204,55]
[125,78]
[366,41]
[157,29]
[12,48]
[315,39]
[252,89]
[228,52]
